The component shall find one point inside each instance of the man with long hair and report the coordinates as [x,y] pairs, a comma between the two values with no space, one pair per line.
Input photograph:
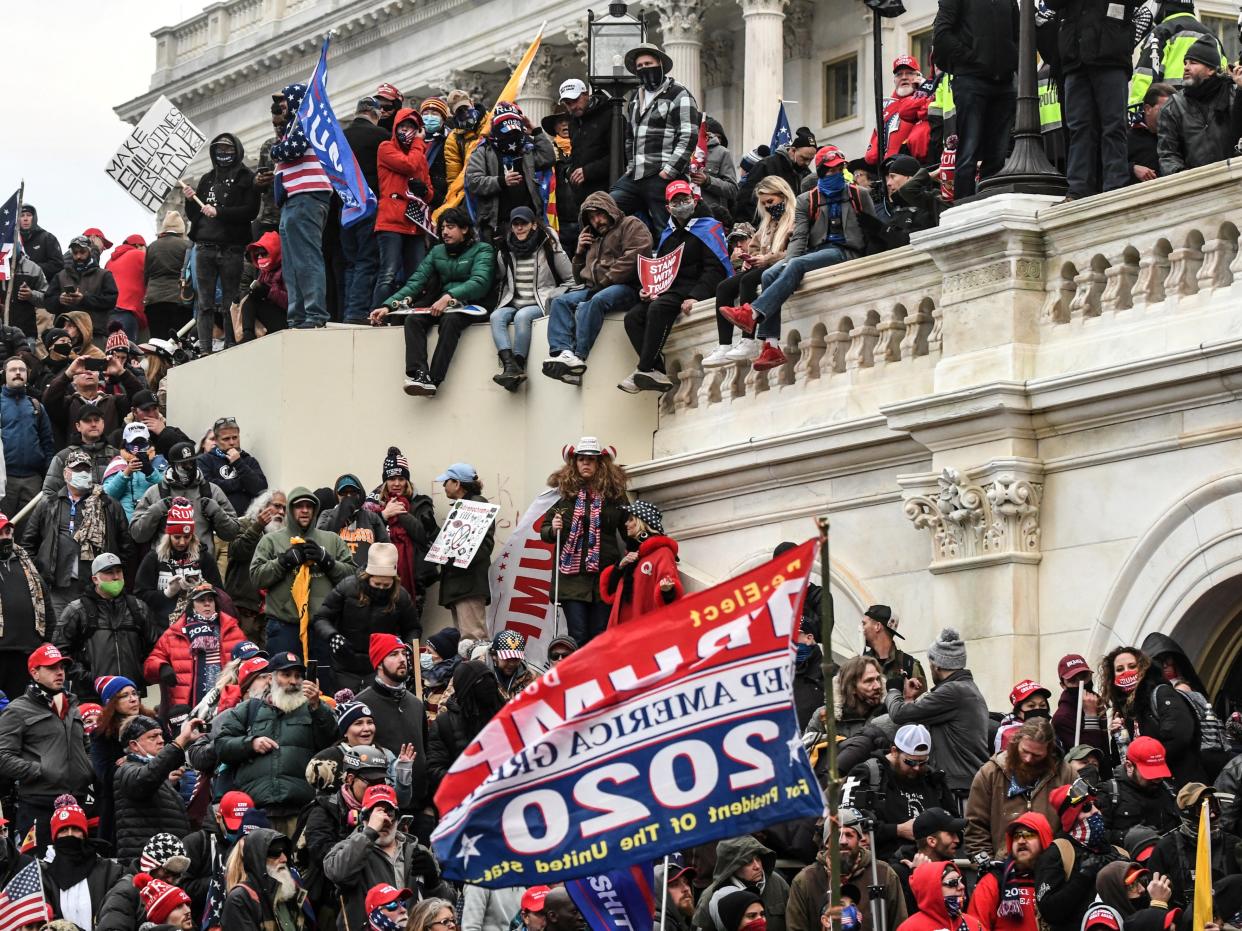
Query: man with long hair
[585,525]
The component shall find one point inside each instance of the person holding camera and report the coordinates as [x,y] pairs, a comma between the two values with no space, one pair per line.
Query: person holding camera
[134,469]
[80,386]
[83,285]
[145,788]
[174,566]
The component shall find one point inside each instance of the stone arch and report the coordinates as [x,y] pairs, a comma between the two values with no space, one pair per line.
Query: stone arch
[1184,572]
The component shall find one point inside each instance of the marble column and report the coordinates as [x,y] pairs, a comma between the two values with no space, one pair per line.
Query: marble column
[681,21]
[764,69]
[538,94]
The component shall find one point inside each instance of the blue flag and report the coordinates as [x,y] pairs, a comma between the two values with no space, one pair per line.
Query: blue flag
[619,900]
[328,142]
[781,134]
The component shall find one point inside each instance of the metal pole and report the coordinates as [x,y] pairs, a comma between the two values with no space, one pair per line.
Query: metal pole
[556,588]
[1078,720]
[879,915]
[664,894]
[17,238]
[616,162]
[877,79]
[827,621]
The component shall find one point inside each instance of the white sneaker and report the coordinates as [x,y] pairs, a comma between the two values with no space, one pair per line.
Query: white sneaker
[627,384]
[652,381]
[575,365]
[719,357]
[747,350]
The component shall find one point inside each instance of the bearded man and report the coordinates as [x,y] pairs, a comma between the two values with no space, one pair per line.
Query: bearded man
[907,129]
[269,895]
[289,718]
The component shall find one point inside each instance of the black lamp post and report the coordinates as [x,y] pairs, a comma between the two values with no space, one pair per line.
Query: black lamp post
[609,37]
[1027,170]
[880,10]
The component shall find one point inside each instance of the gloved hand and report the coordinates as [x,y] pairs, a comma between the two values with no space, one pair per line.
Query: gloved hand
[895,683]
[168,677]
[176,585]
[312,553]
[259,288]
[417,188]
[291,558]
[339,643]
[1092,863]
[422,863]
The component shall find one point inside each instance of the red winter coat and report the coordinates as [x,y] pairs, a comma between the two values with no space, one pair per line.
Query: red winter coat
[126,264]
[906,121]
[397,167]
[657,559]
[173,648]
[985,900]
[932,915]
[273,276]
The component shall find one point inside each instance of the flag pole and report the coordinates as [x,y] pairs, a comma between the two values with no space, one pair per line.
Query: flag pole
[664,894]
[1078,720]
[17,235]
[827,619]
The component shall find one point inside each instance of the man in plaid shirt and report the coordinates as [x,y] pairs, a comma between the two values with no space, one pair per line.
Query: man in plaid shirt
[664,124]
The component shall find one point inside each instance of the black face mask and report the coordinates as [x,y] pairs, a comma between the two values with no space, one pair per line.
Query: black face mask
[378,594]
[224,159]
[1036,713]
[651,77]
[6,548]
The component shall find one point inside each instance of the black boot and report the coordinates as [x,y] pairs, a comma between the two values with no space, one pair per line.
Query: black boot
[511,376]
[520,362]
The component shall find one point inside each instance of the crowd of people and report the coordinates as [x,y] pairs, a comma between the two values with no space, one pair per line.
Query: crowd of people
[483,215]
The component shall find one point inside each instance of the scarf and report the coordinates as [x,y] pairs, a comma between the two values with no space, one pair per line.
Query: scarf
[1017,893]
[74,860]
[524,249]
[583,537]
[204,636]
[54,700]
[300,592]
[395,692]
[90,533]
[1015,789]
[832,188]
[348,801]
[564,145]
[1204,89]
[1089,832]
[36,591]
[407,557]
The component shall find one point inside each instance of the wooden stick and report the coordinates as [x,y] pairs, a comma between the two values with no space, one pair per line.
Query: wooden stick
[418,670]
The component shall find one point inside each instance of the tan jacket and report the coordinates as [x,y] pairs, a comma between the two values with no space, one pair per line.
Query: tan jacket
[611,258]
[989,810]
[806,895]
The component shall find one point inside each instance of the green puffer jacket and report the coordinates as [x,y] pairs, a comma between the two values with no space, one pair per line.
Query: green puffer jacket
[275,780]
[466,276]
[266,572]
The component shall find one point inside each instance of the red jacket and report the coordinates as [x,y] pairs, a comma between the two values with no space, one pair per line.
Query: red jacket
[126,264]
[173,648]
[986,900]
[397,167]
[906,121]
[932,915]
[657,559]
[273,276]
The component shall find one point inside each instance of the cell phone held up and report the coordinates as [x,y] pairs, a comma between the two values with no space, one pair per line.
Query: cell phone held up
[312,670]
[91,364]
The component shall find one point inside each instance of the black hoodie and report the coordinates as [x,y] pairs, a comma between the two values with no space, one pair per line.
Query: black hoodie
[42,246]
[249,906]
[232,192]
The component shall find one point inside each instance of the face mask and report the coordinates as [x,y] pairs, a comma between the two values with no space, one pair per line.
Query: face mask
[378,594]
[651,77]
[263,262]
[1095,829]
[225,159]
[81,266]
[757,924]
[70,845]
[467,118]
[6,547]
[81,481]
[432,123]
[1127,681]
[379,920]
[113,588]
[184,475]
[804,651]
[1036,713]
[426,661]
[405,136]
[953,905]
[681,212]
[776,211]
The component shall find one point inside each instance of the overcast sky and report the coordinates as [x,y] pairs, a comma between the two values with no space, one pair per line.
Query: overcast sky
[78,60]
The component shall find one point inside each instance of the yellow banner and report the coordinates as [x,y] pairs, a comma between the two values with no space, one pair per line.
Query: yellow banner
[1203,870]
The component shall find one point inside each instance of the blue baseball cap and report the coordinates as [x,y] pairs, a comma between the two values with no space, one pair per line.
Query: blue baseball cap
[246,649]
[462,471]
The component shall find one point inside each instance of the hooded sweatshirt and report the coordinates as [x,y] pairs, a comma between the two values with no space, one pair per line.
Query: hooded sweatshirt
[252,902]
[731,856]
[126,264]
[613,257]
[398,167]
[267,573]
[232,192]
[273,276]
[41,245]
[932,914]
[1004,898]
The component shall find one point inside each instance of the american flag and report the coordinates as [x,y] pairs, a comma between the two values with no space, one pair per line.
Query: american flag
[8,238]
[22,901]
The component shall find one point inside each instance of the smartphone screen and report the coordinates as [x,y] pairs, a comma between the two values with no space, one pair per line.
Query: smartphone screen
[312,670]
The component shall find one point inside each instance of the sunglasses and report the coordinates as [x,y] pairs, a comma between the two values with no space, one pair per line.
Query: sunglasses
[955,883]
[387,105]
[557,657]
[224,422]
[1023,834]
[913,764]
[393,906]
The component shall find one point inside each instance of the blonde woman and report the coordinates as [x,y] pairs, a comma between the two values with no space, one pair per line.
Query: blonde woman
[432,915]
[766,248]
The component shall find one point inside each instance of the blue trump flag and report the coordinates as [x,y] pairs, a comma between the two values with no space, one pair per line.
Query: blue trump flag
[618,900]
[781,134]
[328,142]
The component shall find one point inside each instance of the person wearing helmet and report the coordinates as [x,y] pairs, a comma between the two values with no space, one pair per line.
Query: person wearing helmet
[703,265]
[826,231]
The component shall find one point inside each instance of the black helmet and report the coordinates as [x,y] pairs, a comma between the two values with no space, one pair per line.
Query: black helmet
[364,759]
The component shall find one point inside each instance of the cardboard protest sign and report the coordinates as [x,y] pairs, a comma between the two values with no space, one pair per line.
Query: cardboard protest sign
[656,275]
[152,159]
[464,528]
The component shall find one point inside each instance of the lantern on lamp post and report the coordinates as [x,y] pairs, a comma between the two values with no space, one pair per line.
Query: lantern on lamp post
[609,37]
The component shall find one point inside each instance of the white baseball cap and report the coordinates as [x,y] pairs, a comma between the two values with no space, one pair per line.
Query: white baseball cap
[913,739]
[572,89]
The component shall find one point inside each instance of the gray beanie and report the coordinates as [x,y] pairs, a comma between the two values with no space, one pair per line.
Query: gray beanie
[948,652]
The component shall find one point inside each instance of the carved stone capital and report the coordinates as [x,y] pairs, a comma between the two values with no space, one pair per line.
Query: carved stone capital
[543,69]
[776,7]
[797,29]
[986,518]
[681,20]
[718,60]
[580,43]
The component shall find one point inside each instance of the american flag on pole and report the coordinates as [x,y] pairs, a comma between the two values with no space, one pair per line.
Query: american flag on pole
[8,242]
[22,901]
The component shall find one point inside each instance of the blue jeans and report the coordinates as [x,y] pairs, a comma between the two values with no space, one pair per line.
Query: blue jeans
[586,620]
[128,321]
[646,196]
[399,257]
[361,266]
[985,112]
[522,320]
[302,219]
[782,280]
[575,319]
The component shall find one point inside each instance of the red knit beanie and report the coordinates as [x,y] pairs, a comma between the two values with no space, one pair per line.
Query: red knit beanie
[159,897]
[382,645]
